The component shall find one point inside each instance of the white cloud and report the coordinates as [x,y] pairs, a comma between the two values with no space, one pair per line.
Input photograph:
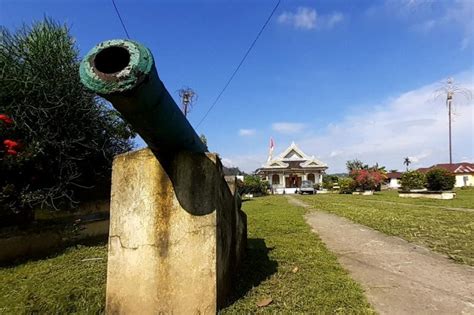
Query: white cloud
[335,153]
[431,16]
[247,132]
[462,13]
[305,18]
[288,128]
[425,26]
[247,163]
[334,19]
[227,162]
[413,124]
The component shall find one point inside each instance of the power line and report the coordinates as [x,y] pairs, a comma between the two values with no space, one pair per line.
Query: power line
[120,18]
[240,64]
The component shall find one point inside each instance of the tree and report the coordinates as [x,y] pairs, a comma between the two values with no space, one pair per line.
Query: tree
[254,184]
[329,181]
[67,137]
[347,185]
[413,180]
[354,165]
[407,162]
[368,179]
[233,170]
[440,179]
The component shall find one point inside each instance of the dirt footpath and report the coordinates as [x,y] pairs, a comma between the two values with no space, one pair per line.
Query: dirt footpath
[398,277]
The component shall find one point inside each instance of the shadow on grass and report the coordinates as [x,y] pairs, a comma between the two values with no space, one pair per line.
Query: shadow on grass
[57,250]
[256,267]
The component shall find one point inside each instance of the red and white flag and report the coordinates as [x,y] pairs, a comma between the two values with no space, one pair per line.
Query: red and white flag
[270,151]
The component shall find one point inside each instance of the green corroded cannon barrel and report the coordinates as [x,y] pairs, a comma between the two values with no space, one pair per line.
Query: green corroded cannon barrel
[124,73]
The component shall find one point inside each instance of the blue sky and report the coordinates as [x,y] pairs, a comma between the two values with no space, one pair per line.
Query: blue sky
[343,79]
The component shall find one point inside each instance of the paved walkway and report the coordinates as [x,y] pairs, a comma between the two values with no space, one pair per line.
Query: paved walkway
[398,277]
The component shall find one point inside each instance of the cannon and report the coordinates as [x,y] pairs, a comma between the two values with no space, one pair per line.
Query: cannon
[177,233]
[124,73]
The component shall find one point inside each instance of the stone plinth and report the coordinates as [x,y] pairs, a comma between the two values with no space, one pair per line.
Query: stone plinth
[446,195]
[176,236]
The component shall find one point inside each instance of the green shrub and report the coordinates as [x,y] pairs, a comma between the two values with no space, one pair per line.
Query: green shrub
[347,185]
[413,180]
[329,181]
[440,179]
[253,184]
[61,138]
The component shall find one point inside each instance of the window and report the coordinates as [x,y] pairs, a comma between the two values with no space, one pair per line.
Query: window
[311,177]
[275,179]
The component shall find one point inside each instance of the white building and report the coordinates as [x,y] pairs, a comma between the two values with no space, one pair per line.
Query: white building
[286,171]
[464,172]
[393,180]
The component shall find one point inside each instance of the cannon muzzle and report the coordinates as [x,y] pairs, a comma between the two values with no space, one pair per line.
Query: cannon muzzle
[124,73]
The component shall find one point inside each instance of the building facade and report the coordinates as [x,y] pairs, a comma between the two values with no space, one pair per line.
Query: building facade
[286,172]
[393,180]
[464,172]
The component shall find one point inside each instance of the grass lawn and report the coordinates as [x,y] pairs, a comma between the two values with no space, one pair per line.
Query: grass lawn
[419,221]
[285,262]
[279,241]
[63,284]
[464,199]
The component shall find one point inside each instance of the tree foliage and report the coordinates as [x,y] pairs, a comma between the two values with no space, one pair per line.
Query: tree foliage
[329,181]
[440,179]
[232,171]
[347,185]
[368,179]
[413,180]
[354,165]
[253,184]
[67,136]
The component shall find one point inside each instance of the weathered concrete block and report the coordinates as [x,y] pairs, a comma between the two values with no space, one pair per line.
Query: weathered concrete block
[176,235]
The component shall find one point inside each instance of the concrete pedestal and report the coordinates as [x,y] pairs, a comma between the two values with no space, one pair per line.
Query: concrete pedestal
[176,236]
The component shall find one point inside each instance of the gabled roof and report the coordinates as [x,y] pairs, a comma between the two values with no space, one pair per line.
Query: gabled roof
[277,164]
[396,175]
[293,153]
[294,157]
[456,168]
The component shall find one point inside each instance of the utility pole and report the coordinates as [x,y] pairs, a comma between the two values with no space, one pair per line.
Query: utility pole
[449,88]
[188,98]
[449,100]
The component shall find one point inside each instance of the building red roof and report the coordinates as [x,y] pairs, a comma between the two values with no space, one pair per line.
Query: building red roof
[396,175]
[455,168]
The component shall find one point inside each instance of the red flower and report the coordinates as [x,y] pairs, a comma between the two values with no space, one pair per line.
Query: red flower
[10,144]
[7,120]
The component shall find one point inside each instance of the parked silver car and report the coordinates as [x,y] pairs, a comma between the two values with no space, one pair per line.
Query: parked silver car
[307,187]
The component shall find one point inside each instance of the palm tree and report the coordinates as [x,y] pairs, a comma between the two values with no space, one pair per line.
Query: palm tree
[407,162]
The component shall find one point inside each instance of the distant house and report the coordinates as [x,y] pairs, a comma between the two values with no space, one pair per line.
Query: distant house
[286,172]
[464,172]
[393,180]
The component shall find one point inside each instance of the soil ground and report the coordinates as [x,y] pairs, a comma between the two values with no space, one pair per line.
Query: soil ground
[398,277]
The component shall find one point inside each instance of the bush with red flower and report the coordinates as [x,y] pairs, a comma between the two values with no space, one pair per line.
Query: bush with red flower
[57,140]
[368,179]
[7,146]
[5,119]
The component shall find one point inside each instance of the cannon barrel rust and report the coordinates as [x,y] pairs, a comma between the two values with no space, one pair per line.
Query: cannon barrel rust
[124,73]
